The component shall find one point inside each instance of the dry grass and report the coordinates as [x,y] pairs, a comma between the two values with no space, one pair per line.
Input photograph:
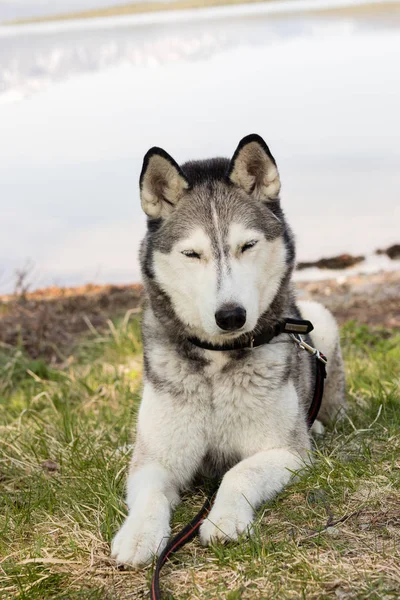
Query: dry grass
[376,11]
[135,8]
[46,323]
[63,455]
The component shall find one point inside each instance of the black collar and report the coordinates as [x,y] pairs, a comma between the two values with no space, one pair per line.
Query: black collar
[259,339]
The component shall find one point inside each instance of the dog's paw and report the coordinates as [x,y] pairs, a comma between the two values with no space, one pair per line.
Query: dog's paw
[317,428]
[226,524]
[142,536]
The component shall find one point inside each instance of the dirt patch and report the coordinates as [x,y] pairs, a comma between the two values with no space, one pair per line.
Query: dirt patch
[48,322]
[370,299]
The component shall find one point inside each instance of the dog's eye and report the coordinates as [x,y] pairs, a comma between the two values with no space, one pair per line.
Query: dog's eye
[191,254]
[248,245]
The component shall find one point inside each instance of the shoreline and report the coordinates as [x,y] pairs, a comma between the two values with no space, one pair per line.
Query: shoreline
[242,7]
[343,267]
[48,323]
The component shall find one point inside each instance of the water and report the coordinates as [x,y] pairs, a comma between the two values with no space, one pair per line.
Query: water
[81,102]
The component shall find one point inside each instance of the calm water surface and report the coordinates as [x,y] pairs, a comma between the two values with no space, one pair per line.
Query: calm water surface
[80,103]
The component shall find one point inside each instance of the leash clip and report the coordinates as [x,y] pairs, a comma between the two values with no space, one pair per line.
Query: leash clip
[310,349]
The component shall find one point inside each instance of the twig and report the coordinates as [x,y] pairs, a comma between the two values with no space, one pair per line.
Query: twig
[328,525]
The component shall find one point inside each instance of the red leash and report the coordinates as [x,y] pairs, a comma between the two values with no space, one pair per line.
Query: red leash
[189,532]
[315,405]
[182,537]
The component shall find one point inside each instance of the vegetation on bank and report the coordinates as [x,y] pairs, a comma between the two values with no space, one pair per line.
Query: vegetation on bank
[64,448]
[136,8]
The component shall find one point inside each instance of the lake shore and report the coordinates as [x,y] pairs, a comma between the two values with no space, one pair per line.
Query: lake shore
[49,322]
[352,7]
[81,98]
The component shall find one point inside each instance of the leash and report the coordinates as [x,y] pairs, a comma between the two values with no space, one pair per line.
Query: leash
[320,377]
[184,536]
[293,327]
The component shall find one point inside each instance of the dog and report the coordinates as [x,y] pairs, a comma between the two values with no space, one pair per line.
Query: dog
[217,262]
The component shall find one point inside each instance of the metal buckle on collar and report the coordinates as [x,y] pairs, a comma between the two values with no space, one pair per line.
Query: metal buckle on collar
[310,349]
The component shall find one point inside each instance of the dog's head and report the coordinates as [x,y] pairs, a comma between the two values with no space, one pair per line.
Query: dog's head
[217,243]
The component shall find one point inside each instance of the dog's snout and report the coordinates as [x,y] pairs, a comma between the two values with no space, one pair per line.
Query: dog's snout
[230,317]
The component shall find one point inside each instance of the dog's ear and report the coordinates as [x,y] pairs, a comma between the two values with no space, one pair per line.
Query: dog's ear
[162,183]
[254,169]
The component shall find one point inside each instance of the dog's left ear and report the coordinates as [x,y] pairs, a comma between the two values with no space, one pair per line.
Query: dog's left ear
[254,169]
[162,183]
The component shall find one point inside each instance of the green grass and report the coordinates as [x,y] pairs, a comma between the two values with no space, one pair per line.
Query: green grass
[63,459]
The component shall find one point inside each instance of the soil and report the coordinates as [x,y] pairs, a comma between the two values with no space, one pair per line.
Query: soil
[48,323]
[370,299]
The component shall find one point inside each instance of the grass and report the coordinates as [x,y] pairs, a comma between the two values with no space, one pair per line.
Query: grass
[63,457]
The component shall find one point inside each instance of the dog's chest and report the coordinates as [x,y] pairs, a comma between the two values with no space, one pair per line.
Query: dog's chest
[241,404]
[252,402]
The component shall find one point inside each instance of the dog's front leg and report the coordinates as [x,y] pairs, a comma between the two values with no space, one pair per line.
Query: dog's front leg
[244,487]
[145,532]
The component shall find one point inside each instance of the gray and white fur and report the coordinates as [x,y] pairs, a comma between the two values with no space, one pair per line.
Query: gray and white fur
[217,262]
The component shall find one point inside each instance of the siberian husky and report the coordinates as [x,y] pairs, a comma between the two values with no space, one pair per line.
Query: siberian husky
[217,262]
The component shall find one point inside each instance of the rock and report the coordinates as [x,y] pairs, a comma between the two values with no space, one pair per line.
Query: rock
[392,252]
[333,531]
[50,466]
[343,261]
[316,496]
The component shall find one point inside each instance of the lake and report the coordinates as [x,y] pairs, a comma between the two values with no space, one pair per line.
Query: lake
[82,101]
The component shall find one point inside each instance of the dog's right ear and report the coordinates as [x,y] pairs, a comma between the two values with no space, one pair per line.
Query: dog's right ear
[162,183]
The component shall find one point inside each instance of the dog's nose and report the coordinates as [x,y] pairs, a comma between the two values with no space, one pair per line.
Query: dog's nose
[230,317]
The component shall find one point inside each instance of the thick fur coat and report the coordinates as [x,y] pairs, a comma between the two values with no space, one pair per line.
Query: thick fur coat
[217,262]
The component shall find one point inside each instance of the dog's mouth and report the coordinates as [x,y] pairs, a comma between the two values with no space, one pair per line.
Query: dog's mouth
[234,334]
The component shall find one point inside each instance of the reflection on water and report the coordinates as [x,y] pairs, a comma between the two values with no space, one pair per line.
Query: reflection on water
[81,103]
[34,56]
